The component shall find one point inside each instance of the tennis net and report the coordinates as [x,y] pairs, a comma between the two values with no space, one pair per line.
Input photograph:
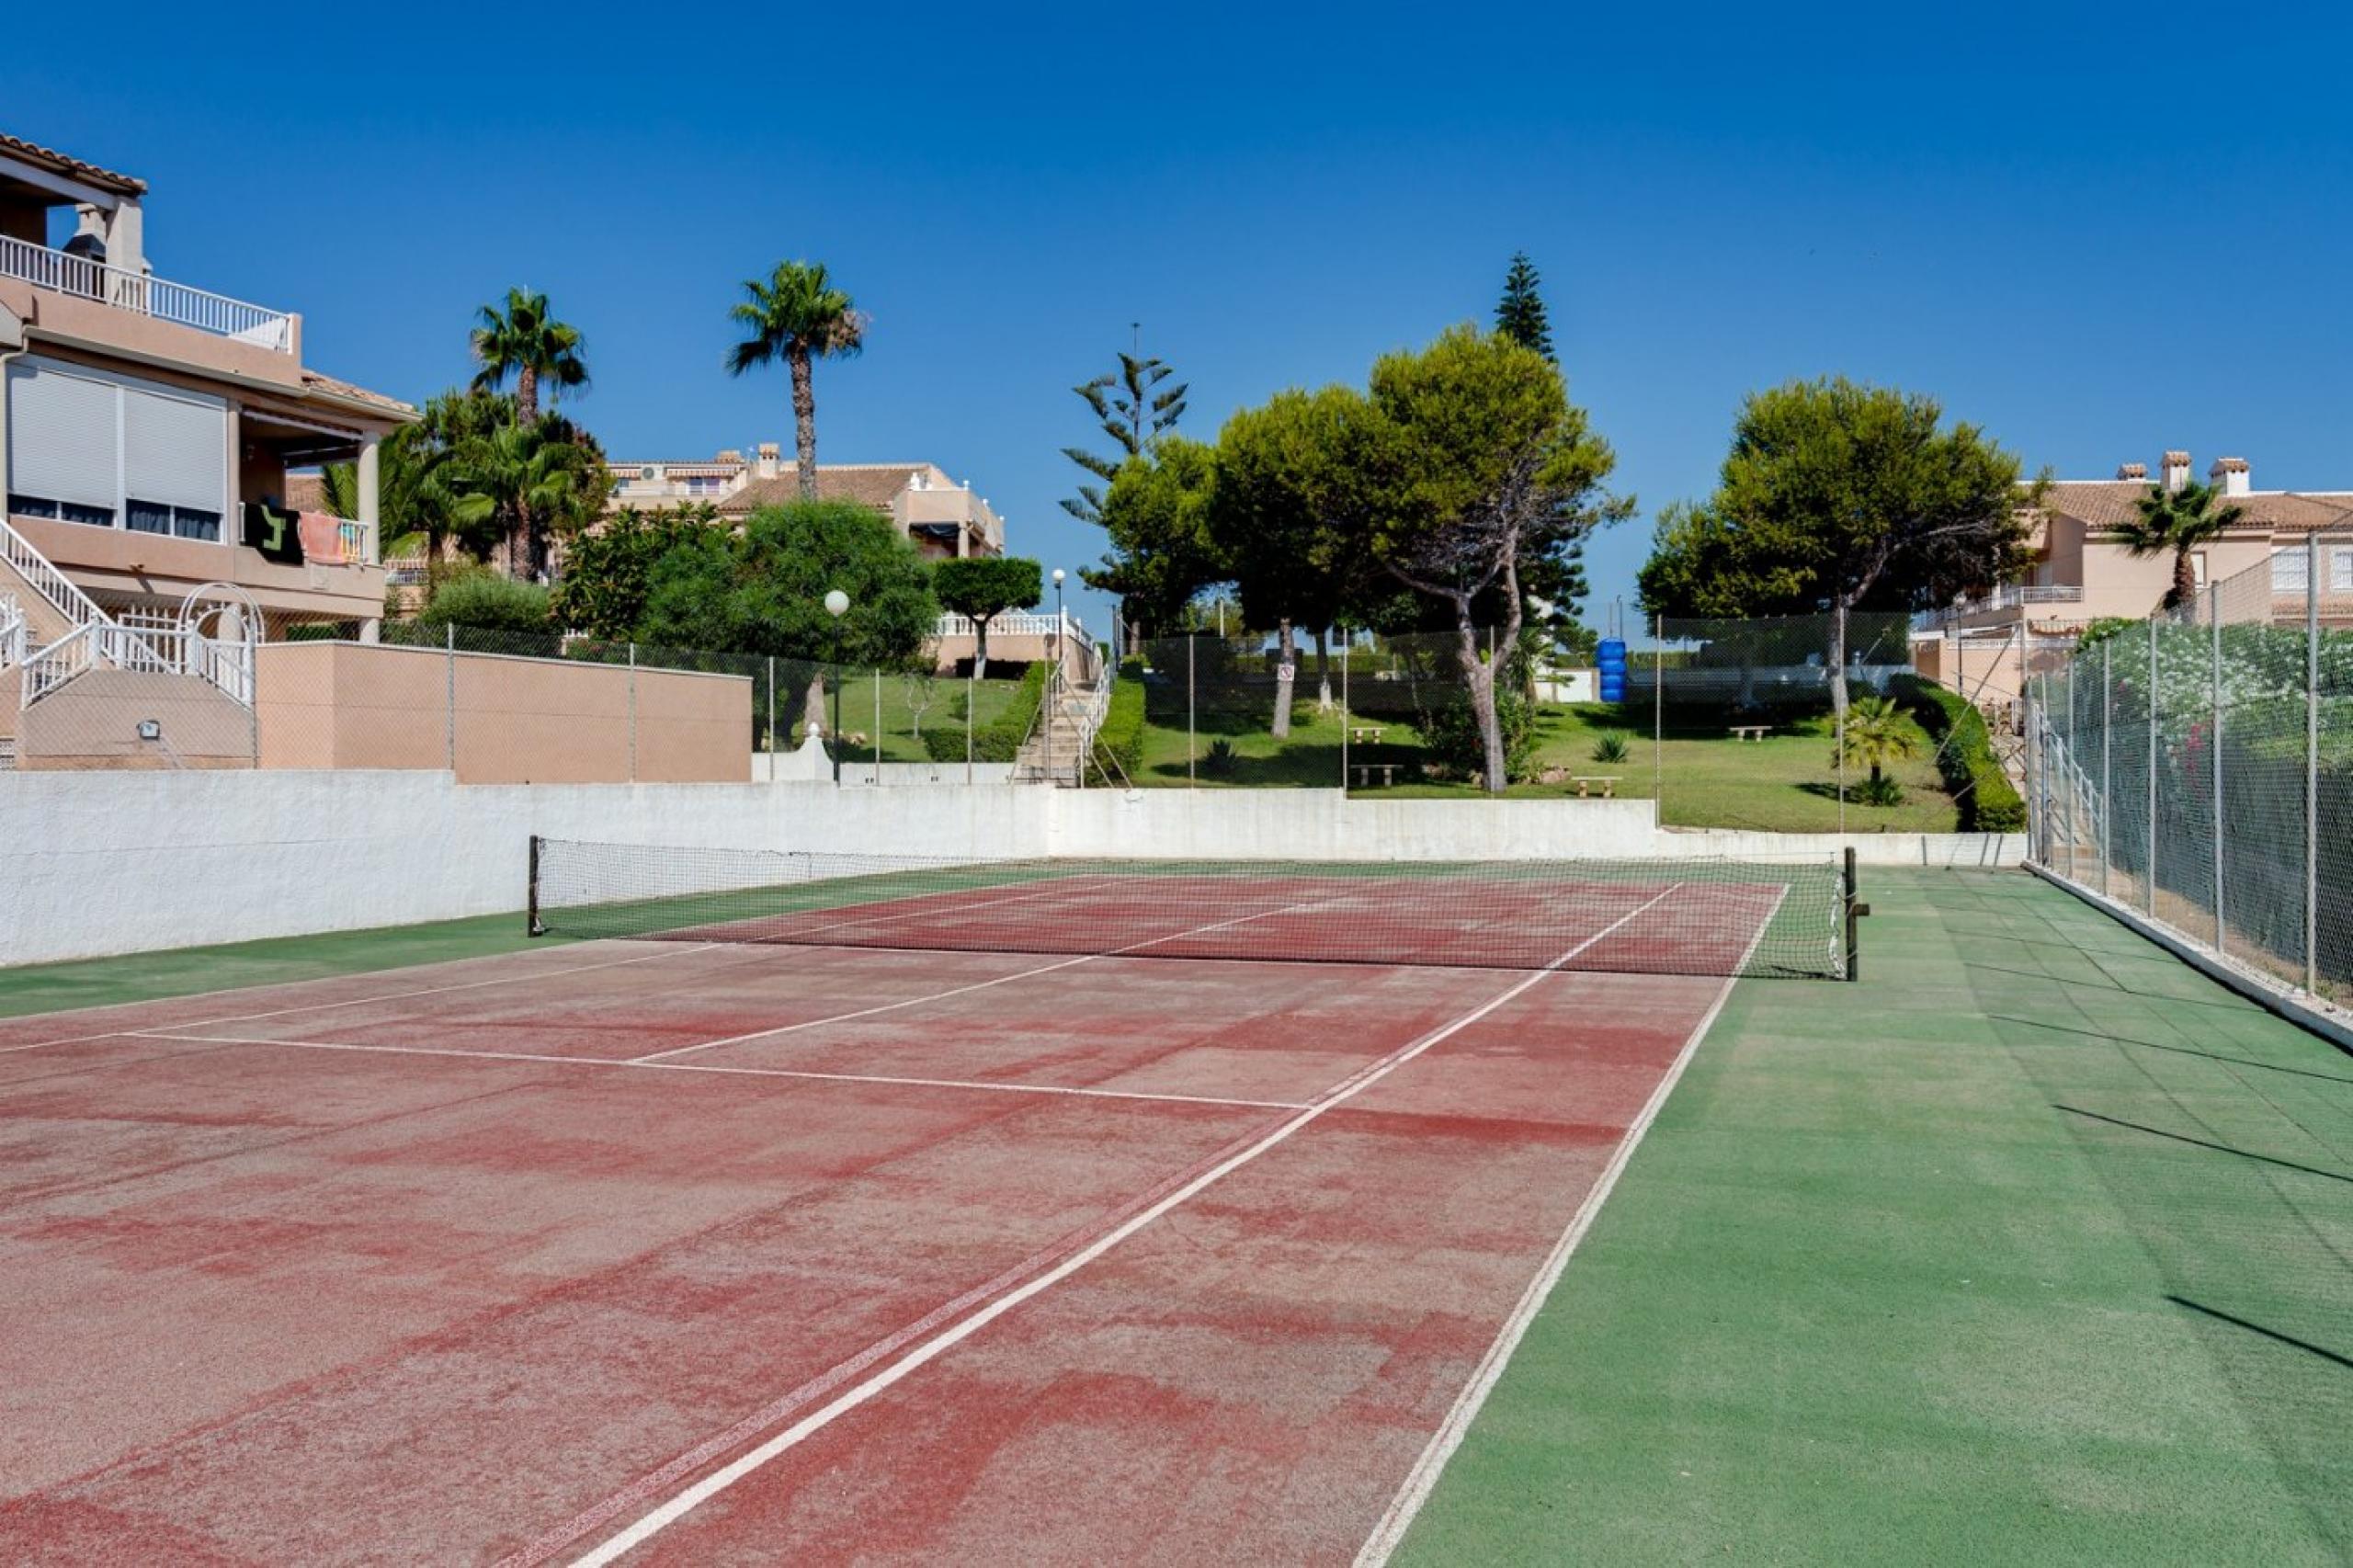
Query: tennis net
[1664,916]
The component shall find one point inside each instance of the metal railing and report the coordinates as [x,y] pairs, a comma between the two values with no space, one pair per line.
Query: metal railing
[1022,623]
[2014,596]
[147,295]
[12,632]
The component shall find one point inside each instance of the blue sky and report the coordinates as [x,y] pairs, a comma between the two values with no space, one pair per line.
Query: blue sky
[2096,233]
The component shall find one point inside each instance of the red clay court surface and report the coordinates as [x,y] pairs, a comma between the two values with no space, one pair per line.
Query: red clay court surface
[673,1252]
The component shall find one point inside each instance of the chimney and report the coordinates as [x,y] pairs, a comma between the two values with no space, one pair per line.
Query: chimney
[2133,471]
[2176,469]
[728,455]
[2230,476]
[770,454]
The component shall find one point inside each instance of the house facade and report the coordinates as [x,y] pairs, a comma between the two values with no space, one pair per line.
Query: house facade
[943,518]
[146,428]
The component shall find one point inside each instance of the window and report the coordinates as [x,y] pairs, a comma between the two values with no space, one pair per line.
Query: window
[2197,569]
[89,446]
[2291,568]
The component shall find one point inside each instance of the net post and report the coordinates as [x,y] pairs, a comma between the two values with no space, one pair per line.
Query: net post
[1855,911]
[2312,761]
[2214,750]
[531,926]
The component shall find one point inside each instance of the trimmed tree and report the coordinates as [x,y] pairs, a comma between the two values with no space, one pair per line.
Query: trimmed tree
[797,315]
[763,591]
[984,588]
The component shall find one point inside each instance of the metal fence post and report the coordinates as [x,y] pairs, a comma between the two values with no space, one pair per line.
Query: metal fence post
[2038,827]
[1658,720]
[972,695]
[2214,749]
[1838,710]
[2312,761]
[1190,638]
[632,712]
[450,692]
[2107,772]
[1344,716]
[878,726]
[2071,780]
[771,716]
[2149,890]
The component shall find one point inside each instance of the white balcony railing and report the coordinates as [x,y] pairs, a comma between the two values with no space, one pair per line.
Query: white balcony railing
[148,296]
[1022,623]
[2014,596]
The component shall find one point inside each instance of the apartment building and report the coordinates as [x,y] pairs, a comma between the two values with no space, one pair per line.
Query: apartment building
[942,517]
[146,435]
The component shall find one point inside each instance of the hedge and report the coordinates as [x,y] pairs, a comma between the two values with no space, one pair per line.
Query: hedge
[1000,739]
[1120,738]
[1972,775]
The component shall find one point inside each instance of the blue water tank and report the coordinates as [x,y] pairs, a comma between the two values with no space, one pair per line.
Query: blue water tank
[1611,659]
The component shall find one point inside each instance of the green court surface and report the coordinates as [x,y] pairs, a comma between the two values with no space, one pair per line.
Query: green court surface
[181,971]
[2034,1246]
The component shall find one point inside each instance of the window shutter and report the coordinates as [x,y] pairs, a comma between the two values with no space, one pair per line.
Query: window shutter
[175,449]
[62,435]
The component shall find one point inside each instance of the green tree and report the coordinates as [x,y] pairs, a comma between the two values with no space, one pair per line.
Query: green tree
[2180,521]
[1155,515]
[763,591]
[479,599]
[1842,496]
[1519,314]
[1876,732]
[520,479]
[984,588]
[798,316]
[1486,470]
[416,496]
[1132,407]
[1290,477]
[525,341]
[609,571]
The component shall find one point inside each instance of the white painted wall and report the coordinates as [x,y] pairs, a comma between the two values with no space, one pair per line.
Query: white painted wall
[97,863]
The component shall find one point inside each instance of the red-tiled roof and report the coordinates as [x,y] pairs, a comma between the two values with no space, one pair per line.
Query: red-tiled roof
[872,484]
[72,167]
[2104,504]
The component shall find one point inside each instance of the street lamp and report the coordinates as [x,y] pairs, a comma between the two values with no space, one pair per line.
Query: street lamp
[836,606]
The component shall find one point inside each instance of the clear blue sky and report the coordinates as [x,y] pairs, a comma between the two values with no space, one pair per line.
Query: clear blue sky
[2097,235]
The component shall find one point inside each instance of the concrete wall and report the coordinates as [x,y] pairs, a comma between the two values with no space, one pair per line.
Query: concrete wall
[124,862]
[93,722]
[348,704]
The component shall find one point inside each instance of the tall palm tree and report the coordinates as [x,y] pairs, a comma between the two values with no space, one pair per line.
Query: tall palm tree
[517,476]
[2178,520]
[527,342]
[798,314]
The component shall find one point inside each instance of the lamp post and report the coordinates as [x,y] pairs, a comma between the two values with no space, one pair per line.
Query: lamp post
[836,606]
[1053,674]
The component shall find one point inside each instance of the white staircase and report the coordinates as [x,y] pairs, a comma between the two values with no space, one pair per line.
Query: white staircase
[1064,734]
[61,633]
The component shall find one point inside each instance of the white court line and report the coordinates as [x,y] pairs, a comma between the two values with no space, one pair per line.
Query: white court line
[1347,1088]
[1399,1516]
[356,1001]
[1005,1088]
[658,1057]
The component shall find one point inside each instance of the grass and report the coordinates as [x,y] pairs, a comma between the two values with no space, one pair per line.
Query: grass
[2033,1246]
[901,741]
[1785,783]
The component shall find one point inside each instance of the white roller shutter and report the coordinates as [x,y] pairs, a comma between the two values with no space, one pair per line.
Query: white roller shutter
[62,438]
[175,449]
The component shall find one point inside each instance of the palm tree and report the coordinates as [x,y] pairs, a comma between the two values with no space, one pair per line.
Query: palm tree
[2179,520]
[517,476]
[800,315]
[1875,734]
[525,341]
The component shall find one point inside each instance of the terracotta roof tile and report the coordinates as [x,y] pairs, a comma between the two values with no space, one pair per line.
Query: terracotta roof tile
[72,167]
[2105,504]
[351,394]
[872,484]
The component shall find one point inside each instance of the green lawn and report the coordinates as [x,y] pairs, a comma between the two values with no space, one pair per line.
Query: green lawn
[1784,783]
[2034,1246]
[911,707]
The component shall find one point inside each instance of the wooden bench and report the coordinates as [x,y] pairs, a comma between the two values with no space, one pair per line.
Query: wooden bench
[1365,770]
[1365,734]
[1586,781]
[1749,731]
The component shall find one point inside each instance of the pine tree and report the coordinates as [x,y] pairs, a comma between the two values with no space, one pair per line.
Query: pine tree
[1131,408]
[1519,314]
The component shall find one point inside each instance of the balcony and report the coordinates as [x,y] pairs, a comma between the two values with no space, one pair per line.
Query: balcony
[147,296]
[2014,596]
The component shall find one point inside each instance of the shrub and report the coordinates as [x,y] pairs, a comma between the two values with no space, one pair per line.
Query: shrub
[1450,727]
[1882,791]
[1219,760]
[1989,803]
[482,599]
[1610,747]
[1119,744]
[1000,739]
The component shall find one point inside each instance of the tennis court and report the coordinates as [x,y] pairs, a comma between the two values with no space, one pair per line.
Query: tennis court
[820,1211]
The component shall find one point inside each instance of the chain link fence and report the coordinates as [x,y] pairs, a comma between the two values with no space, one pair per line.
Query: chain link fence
[2197,766]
